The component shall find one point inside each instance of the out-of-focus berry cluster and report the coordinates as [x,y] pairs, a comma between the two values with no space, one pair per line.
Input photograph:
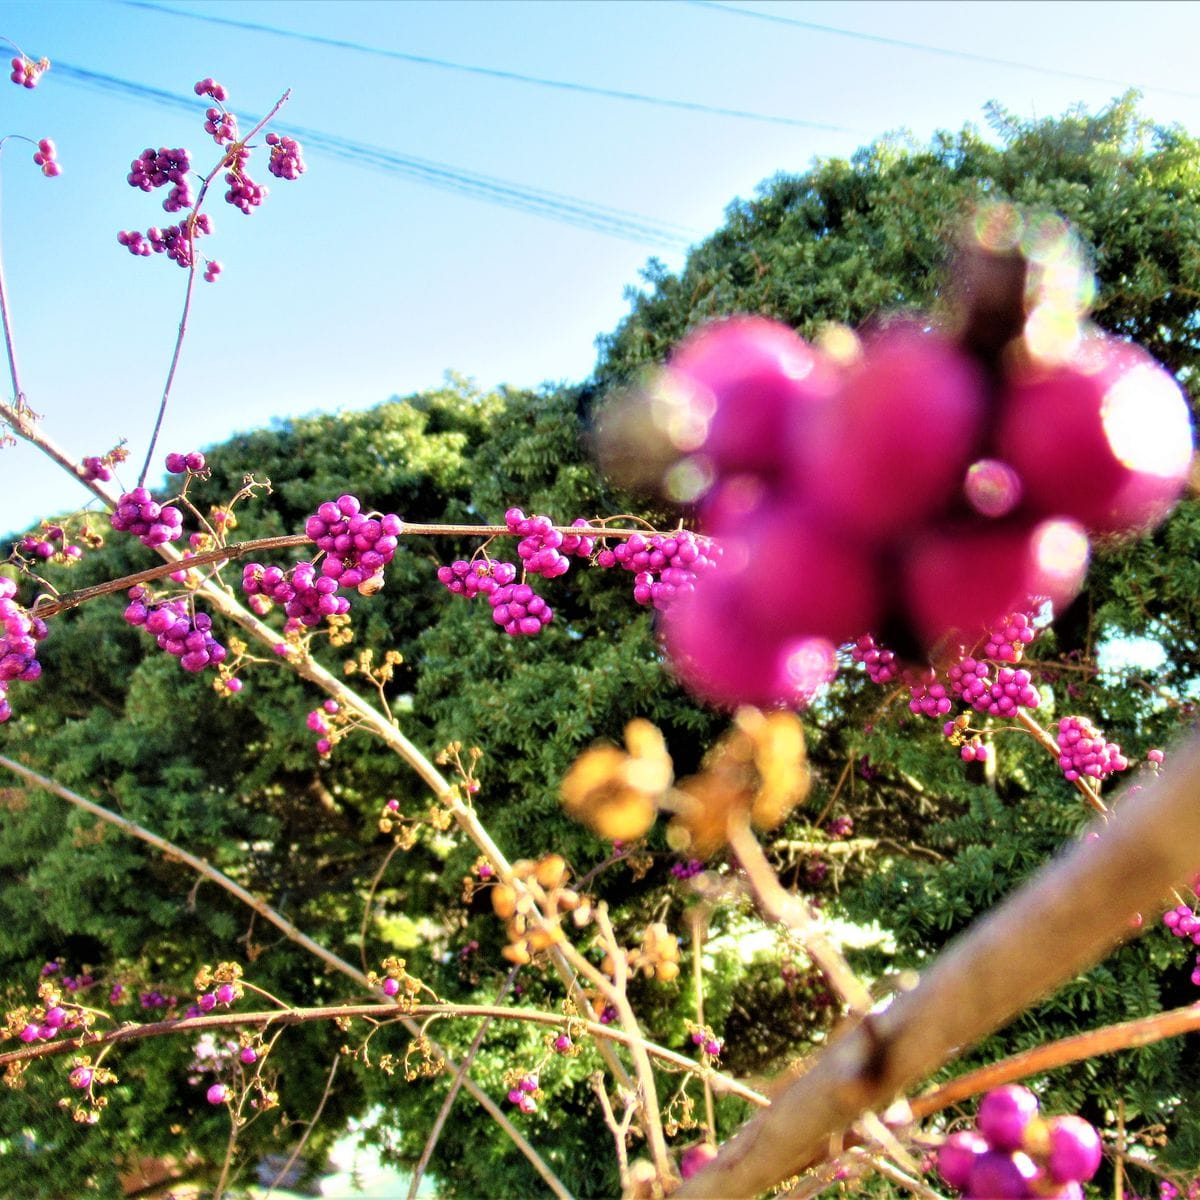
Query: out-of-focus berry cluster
[1013,1154]
[917,480]
[19,635]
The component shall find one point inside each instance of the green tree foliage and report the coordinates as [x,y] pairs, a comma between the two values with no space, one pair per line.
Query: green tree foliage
[238,780]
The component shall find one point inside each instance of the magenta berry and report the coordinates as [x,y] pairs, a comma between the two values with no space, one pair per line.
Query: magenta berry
[218,1093]
[1004,1114]
[1075,1150]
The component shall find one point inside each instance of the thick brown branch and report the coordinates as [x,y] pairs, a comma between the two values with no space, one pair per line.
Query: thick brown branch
[1035,941]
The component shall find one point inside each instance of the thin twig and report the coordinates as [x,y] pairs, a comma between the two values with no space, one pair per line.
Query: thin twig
[781,907]
[1127,1035]
[308,1128]
[647,1089]
[362,933]
[436,1132]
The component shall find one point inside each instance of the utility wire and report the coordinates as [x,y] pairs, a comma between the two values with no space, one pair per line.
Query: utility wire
[945,52]
[554,206]
[489,72]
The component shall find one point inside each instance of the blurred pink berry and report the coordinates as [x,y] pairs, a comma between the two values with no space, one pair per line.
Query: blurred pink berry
[248,1055]
[217,1094]
[696,1158]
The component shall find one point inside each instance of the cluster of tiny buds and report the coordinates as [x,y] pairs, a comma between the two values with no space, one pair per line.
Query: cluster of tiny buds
[26,72]
[46,157]
[685,870]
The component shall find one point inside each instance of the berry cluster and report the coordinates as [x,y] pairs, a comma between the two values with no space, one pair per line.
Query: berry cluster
[540,547]
[922,478]
[53,1019]
[183,634]
[1012,687]
[211,88]
[137,512]
[318,722]
[470,578]
[221,125]
[664,565]
[306,597]
[524,1093]
[223,995]
[286,161]
[710,1045]
[1012,1153]
[157,168]
[183,464]
[26,72]
[243,193]
[46,157]
[519,610]
[95,470]
[1083,751]
[43,545]
[175,241]
[1183,922]
[357,547]
[881,664]
[1007,641]
[19,635]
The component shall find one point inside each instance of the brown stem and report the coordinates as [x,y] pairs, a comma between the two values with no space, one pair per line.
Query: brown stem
[378,1013]
[780,907]
[1126,1035]
[46,608]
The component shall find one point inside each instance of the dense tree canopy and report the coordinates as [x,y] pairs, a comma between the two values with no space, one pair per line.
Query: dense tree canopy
[238,781]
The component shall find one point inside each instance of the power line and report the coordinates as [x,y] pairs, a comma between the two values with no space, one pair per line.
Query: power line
[945,52]
[488,72]
[555,206]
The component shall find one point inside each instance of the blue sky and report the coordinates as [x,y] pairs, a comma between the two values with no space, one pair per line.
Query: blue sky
[357,283]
